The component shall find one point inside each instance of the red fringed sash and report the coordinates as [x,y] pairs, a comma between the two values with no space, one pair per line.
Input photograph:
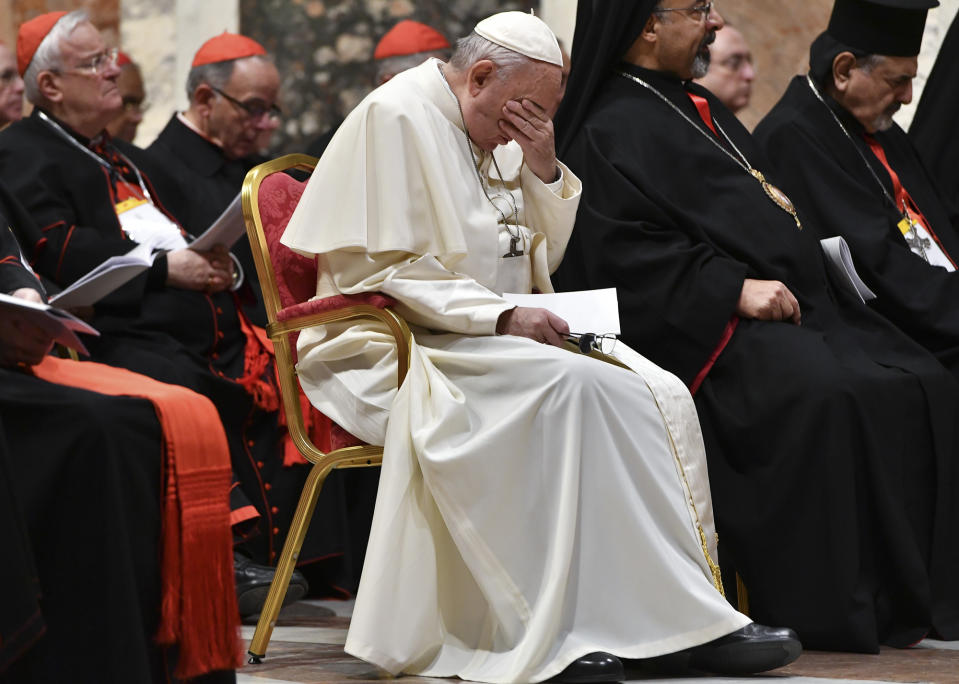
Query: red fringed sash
[199,610]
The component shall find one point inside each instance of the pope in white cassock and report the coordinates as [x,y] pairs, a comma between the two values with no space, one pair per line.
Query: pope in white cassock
[536,506]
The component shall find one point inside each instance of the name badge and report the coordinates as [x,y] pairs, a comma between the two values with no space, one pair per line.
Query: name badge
[145,224]
[922,244]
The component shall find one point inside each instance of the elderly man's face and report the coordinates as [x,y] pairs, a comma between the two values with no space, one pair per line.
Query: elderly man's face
[87,94]
[685,32]
[130,84]
[538,82]
[254,85]
[11,87]
[874,94]
[731,73]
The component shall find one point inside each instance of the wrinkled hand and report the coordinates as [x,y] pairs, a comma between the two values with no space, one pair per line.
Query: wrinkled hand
[530,126]
[21,341]
[201,271]
[536,324]
[768,300]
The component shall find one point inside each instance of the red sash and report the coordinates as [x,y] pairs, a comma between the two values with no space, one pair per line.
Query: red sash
[199,610]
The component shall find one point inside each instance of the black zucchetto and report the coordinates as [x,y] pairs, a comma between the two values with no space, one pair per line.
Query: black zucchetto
[881,27]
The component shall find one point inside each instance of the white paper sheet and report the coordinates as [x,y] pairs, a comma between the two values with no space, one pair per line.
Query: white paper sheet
[226,230]
[105,278]
[586,311]
[61,326]
[840,259]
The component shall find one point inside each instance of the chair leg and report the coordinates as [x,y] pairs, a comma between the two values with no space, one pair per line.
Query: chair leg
[288,558]
[742,595]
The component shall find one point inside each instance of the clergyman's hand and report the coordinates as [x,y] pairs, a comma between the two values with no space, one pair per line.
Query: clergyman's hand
[200,271]
[536,324]
[768,300]
[530,126]
[21,342]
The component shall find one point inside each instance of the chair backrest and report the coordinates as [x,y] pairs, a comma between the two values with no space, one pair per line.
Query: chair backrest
[269,196]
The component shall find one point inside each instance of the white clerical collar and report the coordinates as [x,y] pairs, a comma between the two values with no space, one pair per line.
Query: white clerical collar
[449,106]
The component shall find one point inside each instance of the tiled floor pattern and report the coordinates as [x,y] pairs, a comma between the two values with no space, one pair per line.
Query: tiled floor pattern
[307,648]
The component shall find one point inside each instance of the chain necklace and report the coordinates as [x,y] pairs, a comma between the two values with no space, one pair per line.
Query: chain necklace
[58,129]
[779,198]
[906,225]
[842,127]
[514,238]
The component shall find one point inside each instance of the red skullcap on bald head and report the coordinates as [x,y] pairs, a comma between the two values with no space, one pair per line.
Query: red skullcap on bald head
[226,47]
[31,34]
[408,38]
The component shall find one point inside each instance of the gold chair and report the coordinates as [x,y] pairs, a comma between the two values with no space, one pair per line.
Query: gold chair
[288,281]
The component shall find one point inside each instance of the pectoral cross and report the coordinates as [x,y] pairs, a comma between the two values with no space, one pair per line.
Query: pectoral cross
[513,244]
[916,242]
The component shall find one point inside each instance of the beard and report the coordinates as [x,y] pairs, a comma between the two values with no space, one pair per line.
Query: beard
[703,56]
[884,121]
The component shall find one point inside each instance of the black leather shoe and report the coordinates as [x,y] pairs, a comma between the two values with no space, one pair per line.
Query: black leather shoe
[754,648]
[253,584]
[595,667]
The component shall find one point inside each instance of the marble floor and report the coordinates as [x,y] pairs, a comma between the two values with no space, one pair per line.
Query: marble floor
[307,648]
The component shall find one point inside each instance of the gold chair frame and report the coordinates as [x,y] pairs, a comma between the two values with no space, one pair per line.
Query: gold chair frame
[279,332]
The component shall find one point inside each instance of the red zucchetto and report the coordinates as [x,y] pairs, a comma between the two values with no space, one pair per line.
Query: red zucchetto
[226,47]
[31,34]
[123,59]
[408,38]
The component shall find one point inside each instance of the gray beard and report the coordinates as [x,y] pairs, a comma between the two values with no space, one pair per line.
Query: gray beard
[883,123]
[701,65]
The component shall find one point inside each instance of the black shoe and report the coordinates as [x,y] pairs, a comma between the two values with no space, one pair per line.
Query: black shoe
[595,667]
[253,584]
[754,648]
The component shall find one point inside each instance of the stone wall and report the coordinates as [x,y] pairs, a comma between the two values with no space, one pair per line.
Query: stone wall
[324,50]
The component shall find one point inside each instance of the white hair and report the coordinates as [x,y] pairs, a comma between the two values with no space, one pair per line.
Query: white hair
[49,54]
[474,47]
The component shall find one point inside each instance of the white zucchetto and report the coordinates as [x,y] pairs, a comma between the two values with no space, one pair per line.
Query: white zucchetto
[522,33]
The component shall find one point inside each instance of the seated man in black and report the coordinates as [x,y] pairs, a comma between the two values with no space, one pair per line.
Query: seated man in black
[178,322]
[233,86]
[830,435]
[838,150]
[81,516]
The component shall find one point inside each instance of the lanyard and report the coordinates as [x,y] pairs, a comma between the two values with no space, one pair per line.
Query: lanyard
[93,155]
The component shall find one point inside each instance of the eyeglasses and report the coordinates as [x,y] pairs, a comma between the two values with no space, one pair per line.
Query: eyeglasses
[255,109]
[98,63]
[590,342]
[736,62]
[8,76]
[134,104]
[702,10]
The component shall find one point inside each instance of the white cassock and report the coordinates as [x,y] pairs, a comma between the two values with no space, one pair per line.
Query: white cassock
[535,505]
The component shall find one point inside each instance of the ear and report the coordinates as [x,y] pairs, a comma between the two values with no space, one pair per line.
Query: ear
[203,98]
[842,67]
[651,27]
[479,76]
[49,86]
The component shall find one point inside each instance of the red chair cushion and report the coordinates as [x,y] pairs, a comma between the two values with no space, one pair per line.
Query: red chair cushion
[295,276]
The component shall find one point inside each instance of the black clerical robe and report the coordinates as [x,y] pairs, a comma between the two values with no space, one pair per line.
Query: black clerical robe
[827,172]
[208,183]
[830,444]
[933,128]
[177,336]
[80,524]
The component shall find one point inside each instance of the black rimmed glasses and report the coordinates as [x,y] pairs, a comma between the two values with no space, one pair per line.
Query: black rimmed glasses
[699,11]
[255,109]
[98,63]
